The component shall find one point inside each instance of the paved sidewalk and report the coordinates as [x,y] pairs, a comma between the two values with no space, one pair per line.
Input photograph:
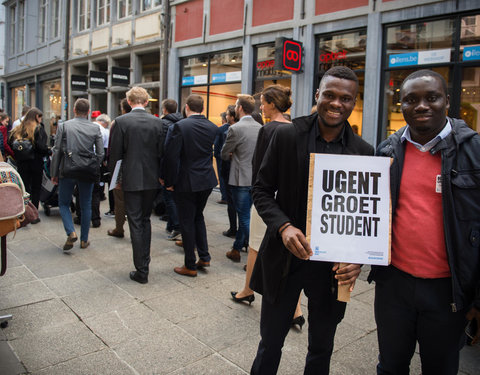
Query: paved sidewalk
[79,313]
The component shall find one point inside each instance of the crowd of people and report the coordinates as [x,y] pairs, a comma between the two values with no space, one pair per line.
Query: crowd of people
[429,292]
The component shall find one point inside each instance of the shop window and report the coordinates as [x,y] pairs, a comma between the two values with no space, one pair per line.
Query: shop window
[265,74]
[153,101]
[150,64]
[216,78]
[52,103]
[18,101]
[470,97]
[124,8]
[346,49]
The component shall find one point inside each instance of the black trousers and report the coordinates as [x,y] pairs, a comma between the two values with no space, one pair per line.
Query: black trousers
[324,313]
[190,207]
[410,309]
[31,172]
[138,206]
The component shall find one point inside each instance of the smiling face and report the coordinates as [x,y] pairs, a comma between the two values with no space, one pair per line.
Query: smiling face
[424,107]
[335,101]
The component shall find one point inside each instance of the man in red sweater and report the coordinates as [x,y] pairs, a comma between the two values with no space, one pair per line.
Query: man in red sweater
[432,288]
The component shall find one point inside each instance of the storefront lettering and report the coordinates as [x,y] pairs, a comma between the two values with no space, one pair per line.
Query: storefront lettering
[262,65]
[97,79]
[120,76]
[333,56]
[79,83]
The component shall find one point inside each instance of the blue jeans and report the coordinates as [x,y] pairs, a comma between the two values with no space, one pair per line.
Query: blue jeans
[65,192]
[242,200]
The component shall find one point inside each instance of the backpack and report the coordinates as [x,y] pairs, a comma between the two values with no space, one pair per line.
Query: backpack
[13,199]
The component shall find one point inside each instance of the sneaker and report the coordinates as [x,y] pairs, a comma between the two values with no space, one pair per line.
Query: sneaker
[109,214]
[175,235]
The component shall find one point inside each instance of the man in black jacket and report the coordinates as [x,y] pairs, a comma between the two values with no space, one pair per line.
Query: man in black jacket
[282,268]
[189,174]
[138,141]
[432,286]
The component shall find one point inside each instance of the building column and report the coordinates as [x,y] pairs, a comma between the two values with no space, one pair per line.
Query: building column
[373,74]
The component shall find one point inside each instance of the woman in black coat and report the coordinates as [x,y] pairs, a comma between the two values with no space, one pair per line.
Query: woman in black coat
[30,166]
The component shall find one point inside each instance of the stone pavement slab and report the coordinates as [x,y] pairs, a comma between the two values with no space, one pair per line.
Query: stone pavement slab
[79,313]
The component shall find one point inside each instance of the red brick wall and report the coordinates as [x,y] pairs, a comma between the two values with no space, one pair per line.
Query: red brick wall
[189,20]
[226,15]
[270,11]
[323,6]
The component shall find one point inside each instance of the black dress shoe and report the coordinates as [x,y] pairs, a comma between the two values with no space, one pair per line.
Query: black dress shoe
[298,321]
[136,276]
[96,223]
[230,233]
[248,299]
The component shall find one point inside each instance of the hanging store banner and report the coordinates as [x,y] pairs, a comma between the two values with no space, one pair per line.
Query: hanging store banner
[288,55]
[78,83]
[120,76]
[348,218]
[98,80]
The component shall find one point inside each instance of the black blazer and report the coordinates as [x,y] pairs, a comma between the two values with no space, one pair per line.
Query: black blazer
[137,138]
[280,195]
[188,155]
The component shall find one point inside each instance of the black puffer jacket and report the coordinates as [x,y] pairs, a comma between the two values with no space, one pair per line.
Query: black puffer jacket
[460,152]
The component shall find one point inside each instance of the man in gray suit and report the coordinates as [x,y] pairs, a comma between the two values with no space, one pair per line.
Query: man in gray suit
[137,140]
[239,147]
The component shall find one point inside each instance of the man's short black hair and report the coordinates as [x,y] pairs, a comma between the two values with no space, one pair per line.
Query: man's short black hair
[426,73]
[341,72]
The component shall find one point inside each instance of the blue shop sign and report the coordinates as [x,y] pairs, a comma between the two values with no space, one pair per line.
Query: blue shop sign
[219,77]
[188,81]
[471,53]
[403,59]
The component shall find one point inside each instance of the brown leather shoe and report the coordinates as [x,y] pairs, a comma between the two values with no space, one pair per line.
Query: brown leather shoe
[72,237]
[202,264]
[233,255]
[84,244]
[179,243]
[115,233]
[185,271]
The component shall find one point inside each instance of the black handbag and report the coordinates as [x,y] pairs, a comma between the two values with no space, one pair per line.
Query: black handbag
[83,166]
[23,149]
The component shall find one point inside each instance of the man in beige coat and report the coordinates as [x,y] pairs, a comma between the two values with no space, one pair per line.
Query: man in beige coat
[239,147]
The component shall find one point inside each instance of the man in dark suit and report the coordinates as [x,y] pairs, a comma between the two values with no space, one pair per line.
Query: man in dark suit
[137,140]
[188,171]
[283,267]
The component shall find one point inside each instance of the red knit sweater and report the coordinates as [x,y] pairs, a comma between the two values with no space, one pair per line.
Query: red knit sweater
[418,241]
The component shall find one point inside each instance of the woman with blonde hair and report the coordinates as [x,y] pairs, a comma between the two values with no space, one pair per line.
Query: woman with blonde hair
[275,101]
[30,165]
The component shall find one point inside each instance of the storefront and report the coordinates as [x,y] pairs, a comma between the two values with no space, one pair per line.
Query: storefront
[216,77]
[449,46]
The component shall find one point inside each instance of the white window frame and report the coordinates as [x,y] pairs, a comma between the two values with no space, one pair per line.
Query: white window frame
[83,20]
[126,6]
[103,12]
[42,20]
[147,5]
[55,18]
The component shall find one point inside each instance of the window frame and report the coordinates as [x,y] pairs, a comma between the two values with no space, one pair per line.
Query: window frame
[127,6]
[43,20]
[84,9]
[55,18]
[105,7]
[144,8]
[21,26]
[13,25]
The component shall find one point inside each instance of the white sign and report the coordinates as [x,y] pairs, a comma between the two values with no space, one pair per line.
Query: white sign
[349,209]
[434,56]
